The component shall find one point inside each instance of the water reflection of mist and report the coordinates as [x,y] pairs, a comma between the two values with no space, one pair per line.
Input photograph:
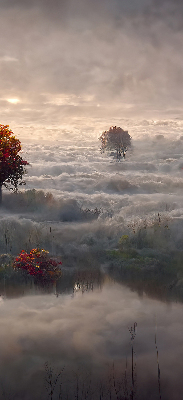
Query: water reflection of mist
[85,334]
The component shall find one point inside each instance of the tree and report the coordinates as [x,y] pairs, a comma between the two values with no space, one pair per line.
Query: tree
[115,139]
[39,264]
[11,163]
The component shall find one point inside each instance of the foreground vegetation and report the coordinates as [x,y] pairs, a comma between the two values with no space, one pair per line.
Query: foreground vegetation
[150,260]
[147,259]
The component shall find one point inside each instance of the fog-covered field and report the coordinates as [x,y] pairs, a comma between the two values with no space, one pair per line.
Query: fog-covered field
[78,204]
[78,200]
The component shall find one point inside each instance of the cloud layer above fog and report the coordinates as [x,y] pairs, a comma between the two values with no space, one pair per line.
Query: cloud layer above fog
[65,59]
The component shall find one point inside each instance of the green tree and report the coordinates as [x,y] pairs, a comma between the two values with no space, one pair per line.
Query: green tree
[11,163]
[115,139]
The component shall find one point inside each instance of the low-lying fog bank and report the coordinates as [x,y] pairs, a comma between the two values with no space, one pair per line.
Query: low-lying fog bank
[79,202]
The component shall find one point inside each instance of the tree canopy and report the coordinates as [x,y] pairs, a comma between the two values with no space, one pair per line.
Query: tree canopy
[11,163]
[115,139]
[38,264]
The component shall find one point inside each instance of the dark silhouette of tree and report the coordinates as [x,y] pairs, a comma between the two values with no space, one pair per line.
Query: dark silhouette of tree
[11,163]
[115,139]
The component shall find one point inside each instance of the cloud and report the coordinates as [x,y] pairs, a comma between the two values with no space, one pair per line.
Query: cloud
[8,59]
[72,58]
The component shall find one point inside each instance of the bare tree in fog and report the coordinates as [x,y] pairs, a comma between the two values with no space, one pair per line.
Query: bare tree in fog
[11,163]
[115,139]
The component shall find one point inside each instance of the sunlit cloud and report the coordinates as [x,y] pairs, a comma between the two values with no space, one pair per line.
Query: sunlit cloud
[72,99]
[8,59]
[13,101]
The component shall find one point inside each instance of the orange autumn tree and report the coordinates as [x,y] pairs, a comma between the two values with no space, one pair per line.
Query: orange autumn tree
[11,163]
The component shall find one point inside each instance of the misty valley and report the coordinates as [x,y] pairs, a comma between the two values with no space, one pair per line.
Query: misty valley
[91,267]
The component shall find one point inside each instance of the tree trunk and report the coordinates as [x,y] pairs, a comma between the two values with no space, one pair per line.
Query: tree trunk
[0,195]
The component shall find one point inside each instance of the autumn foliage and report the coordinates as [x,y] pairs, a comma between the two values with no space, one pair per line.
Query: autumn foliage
[11,163]
[37,263]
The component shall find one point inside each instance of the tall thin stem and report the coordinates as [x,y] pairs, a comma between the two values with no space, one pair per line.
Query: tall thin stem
[132,331]
[0,194]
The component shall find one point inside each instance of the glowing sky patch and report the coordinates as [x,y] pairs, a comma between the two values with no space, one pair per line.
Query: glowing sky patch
[13,101]
[8,59]
[71,100]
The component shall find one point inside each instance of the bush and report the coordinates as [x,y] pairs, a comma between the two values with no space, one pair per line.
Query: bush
[38,264]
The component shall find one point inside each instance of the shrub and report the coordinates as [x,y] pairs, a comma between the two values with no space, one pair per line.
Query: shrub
[38,264]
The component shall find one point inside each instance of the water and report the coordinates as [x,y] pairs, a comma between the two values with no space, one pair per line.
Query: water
[87,334]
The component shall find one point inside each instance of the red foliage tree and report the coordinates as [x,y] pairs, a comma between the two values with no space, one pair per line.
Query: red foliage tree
[11,163]
[38,264]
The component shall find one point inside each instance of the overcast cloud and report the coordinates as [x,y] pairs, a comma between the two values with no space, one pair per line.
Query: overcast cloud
[64,59]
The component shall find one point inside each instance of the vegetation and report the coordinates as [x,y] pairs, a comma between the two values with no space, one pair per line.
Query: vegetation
[38,264]
[118,381]
[115,139]
[11,163]
[149,260]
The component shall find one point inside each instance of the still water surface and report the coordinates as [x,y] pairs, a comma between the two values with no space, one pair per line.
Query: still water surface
[83,330]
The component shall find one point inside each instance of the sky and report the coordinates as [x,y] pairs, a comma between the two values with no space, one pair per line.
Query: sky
[71,60]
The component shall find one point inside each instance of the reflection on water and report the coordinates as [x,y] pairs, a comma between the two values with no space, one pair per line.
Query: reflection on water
[76,340]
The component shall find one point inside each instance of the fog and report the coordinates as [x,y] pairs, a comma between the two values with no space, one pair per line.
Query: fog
[89,200]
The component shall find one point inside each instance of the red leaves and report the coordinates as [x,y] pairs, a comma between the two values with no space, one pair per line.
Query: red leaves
[11,163]
[24,162]
[37,263]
